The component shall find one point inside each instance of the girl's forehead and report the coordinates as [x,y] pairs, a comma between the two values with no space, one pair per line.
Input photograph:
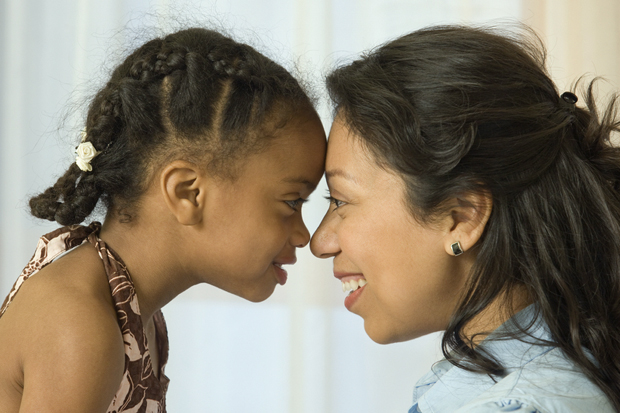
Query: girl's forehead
[296,156]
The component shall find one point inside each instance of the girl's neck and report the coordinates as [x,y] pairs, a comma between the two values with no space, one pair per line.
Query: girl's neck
[156,271]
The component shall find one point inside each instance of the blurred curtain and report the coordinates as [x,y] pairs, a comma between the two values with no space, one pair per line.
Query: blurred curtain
[299,351]
[582,38]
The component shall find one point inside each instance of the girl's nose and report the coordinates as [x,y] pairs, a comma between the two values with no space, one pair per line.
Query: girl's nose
[301,235]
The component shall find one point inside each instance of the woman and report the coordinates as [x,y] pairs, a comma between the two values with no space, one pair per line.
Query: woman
[468,195]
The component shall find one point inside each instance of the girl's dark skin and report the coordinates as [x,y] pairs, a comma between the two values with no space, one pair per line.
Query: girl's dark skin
[211,199]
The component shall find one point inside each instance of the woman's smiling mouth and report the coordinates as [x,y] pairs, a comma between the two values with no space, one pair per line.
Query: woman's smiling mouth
[354,284]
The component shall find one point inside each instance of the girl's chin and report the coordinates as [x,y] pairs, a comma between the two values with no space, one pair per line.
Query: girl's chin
[254,293]
[257,298]
[259,292]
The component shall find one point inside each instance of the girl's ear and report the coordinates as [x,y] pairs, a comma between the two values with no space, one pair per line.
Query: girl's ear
[468,218]
[180,186]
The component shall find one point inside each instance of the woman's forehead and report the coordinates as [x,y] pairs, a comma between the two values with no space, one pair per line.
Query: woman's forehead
[350,162]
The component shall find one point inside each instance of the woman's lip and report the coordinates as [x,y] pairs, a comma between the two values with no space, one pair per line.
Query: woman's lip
[350,299]
[340,274]
[281,274]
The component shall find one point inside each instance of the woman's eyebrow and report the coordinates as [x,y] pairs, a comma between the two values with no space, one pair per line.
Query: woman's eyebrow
[339,172]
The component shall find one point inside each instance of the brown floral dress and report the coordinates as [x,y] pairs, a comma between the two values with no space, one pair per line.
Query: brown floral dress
[140,390]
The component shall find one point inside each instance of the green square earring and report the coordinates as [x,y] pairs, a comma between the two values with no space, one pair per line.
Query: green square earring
[457,249]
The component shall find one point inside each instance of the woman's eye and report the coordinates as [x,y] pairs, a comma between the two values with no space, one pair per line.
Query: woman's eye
[337,203]
[296,204]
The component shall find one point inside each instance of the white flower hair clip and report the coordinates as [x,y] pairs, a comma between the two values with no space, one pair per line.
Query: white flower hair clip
[85,153]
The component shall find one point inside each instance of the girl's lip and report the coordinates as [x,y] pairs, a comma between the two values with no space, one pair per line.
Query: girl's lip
[285,261]
[281,274]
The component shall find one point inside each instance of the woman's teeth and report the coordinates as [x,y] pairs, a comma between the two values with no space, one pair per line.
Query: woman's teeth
[353,285]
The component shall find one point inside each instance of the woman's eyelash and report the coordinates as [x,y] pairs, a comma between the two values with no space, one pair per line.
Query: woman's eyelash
[296,203]
[337,203]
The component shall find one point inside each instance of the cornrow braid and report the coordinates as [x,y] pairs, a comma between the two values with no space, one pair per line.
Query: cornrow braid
[238,68]
[194,94]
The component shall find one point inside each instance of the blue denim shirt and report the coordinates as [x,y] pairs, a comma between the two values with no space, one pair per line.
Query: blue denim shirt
[539,379]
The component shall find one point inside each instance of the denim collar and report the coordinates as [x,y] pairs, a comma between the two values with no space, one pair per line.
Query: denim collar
[446,387]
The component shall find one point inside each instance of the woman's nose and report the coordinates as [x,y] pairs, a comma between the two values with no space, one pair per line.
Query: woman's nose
[324,243]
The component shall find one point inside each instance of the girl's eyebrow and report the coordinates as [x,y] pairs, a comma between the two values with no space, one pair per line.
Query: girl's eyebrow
[339,172]
[300,180]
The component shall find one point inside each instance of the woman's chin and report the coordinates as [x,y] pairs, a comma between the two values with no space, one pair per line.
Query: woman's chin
[379,335]
[382,335]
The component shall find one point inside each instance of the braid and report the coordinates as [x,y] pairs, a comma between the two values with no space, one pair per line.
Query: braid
[160,63]
[236,68]
[80,203]
[46,204]
[169,60]
[215,100]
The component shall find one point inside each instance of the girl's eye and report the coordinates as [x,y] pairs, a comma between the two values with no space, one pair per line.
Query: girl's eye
[337,203]
[296,204]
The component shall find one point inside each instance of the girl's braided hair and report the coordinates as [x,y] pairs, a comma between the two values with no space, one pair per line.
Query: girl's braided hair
[194,94]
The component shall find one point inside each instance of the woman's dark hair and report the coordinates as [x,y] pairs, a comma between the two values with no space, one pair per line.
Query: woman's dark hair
[456,110]
[195,95]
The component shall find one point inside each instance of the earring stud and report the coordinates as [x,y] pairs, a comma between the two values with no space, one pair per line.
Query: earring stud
[457,249]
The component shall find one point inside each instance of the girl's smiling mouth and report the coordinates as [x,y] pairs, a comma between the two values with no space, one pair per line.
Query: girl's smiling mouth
[281,274]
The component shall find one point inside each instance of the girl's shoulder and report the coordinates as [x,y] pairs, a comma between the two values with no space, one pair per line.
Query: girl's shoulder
[60,328]
[70,295]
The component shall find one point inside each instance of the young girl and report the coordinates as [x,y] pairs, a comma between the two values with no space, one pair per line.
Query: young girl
[469,195]
[203,151]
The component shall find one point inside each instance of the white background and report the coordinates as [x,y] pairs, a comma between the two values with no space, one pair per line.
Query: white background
[299,351]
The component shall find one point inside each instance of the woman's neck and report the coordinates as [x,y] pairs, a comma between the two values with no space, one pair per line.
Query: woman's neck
[497,313]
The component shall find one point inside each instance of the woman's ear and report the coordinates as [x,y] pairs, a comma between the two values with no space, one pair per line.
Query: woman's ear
[180,184]
[468,218]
